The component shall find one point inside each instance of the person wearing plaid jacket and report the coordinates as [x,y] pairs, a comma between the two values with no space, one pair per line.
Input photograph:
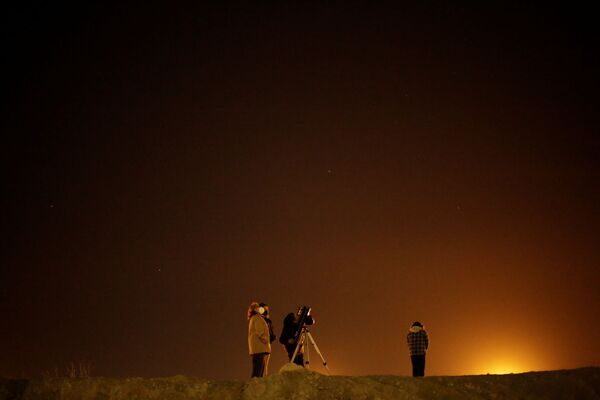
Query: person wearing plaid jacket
[418,342]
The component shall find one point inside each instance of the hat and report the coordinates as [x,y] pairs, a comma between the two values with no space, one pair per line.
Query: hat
[417,323]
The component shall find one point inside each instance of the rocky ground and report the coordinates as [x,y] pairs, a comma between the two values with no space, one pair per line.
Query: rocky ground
[579,384]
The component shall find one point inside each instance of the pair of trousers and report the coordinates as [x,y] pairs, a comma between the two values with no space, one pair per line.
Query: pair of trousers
[299,360]
[260,364]
[418,364]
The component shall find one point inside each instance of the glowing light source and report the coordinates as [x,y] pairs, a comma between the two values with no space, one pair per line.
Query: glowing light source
[502,370]
[503,366]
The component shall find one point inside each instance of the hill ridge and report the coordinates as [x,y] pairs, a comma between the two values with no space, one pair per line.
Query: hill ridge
[580,383]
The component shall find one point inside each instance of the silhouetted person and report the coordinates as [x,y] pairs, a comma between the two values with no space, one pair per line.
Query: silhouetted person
[418,342]
[259,345]
[265,315]
[290,327]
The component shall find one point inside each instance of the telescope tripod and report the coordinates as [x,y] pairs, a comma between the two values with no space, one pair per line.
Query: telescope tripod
[302,340]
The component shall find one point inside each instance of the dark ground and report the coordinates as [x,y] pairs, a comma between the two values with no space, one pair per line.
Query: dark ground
[583,383]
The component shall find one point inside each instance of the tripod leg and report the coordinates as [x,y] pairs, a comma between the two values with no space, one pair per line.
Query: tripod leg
[312,341]
[300,342]
[306,352]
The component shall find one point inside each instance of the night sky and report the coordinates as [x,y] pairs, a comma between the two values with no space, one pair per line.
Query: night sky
[164,166]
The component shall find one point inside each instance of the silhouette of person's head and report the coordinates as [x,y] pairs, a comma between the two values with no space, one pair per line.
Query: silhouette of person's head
[265,306]
[253,309]
[289,319]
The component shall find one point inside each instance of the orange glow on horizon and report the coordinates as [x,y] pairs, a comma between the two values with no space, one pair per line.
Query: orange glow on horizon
[500,361]
[503,367]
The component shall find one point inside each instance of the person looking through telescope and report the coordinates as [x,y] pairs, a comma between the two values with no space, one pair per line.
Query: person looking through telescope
[289,335]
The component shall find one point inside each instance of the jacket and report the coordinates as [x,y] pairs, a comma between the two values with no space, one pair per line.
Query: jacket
[258,335]
[417,341]
[289,330]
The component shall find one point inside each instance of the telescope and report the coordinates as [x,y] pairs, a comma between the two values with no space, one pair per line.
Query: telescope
[303,336]
[304,318]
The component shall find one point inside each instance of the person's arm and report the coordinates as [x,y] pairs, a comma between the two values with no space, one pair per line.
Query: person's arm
[272,336]
[426,340]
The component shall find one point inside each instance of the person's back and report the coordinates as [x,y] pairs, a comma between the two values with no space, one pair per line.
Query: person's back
[290,327]
[288,330]
[418,343]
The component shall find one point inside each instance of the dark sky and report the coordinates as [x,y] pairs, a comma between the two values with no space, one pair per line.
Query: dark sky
[165,166]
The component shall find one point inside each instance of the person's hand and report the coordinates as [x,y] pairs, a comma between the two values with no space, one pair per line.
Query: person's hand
[291,341]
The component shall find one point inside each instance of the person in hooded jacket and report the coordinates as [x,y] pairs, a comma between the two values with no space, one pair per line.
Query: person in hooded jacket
[418,343]
[259,344]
